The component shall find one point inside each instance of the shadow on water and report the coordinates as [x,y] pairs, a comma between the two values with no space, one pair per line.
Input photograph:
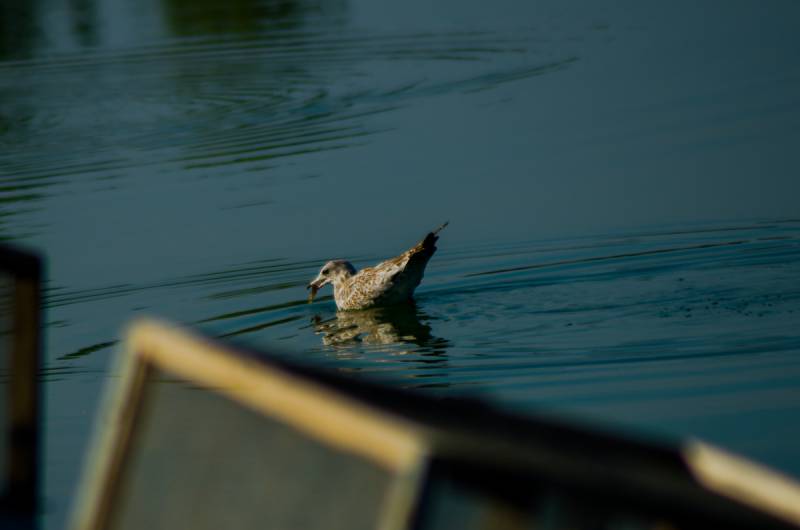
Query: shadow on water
[84,16]
[243,17]
[17,29]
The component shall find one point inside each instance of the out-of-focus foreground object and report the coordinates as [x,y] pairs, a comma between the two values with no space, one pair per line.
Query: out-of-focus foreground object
[204,435]
[20,302]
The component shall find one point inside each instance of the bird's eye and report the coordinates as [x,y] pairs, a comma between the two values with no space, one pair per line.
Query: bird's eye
[324,272]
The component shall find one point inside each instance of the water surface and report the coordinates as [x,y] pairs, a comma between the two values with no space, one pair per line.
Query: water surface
[621,182]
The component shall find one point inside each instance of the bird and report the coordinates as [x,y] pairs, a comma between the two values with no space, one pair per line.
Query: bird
[390,282]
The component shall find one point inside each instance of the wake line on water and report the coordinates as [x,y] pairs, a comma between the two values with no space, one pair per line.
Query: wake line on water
[608,258]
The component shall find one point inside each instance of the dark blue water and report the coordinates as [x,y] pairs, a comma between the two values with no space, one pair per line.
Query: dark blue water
[621,182]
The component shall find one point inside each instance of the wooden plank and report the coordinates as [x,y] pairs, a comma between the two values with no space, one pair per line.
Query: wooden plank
[333,421]
[744,481]
[345,423]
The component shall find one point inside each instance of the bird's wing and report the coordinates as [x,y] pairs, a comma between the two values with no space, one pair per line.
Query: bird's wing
[403,272]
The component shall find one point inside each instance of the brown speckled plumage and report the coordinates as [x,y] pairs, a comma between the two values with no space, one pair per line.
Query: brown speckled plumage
[389,282]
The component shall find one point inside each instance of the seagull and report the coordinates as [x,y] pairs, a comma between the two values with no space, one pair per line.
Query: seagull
[390,282]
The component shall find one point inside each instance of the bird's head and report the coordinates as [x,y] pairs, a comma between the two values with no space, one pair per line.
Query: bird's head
[331,272]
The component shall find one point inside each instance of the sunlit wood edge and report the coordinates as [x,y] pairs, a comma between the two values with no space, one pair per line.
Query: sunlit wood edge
[108,444]
[324,414]
[744,481]
[403,496]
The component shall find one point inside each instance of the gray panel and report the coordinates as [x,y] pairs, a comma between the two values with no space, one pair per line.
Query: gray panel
[201,461]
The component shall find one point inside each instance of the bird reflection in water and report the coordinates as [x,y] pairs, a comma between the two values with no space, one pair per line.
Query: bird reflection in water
[381,326]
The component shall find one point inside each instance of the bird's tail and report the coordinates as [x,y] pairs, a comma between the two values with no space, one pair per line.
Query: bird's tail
[429,243]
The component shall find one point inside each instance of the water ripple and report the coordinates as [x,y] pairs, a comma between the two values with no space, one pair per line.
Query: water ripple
[192,106]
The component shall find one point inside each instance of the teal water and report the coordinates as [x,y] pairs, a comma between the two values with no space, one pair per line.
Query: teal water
[621,184]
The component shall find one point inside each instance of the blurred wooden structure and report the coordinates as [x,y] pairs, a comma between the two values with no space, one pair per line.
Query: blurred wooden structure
[20,301]
[203,435]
